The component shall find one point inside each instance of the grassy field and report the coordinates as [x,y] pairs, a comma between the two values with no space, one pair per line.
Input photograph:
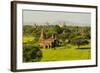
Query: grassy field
[61,54]
[28,39]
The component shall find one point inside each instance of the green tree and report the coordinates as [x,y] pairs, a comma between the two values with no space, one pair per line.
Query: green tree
[79,41]
[31,53]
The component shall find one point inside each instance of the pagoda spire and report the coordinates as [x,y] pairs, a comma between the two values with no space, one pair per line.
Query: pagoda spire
[42,36]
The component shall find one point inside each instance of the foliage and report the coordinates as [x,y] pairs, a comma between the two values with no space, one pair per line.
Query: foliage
[28,39]
[80,41]
[62,33]
[75,36]
[31,53]
[27,29]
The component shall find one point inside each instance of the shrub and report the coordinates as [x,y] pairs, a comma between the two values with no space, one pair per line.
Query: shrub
[79,42]
[31,53]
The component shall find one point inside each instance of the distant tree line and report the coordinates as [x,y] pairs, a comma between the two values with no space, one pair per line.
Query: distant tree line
[65,34]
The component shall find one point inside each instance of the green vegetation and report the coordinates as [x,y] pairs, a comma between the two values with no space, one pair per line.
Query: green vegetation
[74,43]
[27,39]
[61,54]
[31,53]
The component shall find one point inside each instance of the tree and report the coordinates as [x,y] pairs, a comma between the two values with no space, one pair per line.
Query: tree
[31,53]
[80,41]
[27,29]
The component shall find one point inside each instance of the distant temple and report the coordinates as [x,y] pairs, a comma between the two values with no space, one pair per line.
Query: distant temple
[47,42]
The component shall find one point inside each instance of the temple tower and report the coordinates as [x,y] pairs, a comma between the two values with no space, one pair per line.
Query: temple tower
[43,35]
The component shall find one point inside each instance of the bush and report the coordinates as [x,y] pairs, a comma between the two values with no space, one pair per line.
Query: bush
[79,42]
[31,53]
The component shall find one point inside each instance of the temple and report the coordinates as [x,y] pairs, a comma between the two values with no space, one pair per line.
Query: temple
[47,42]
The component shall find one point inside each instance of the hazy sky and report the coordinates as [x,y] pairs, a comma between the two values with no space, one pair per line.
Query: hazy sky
[42,17]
